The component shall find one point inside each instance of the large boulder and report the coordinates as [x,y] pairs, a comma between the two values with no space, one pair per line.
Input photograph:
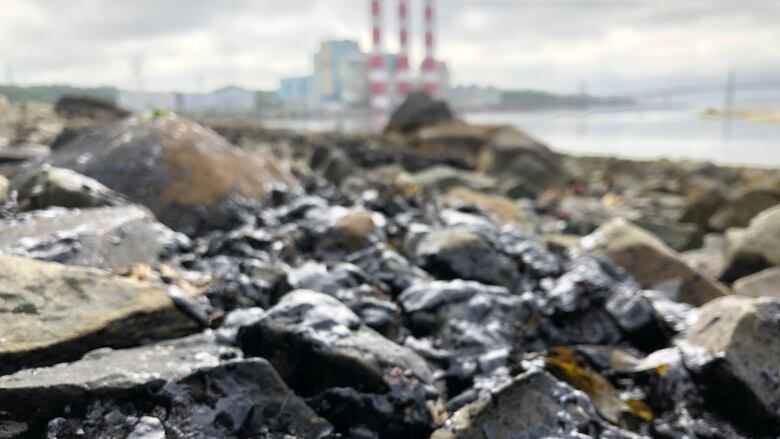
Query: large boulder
[762,284]
[651,262]
[186,174]
[743,206]
[753,248]
[733,350]
[51,313]
[418,111]
[46,186]
[112,238]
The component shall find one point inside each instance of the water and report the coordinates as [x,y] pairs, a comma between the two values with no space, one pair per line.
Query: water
[631,133]
[648,134]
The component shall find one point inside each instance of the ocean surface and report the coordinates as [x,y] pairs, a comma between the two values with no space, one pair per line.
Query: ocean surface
[630,133]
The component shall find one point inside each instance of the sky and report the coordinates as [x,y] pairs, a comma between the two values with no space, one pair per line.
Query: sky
[608,46]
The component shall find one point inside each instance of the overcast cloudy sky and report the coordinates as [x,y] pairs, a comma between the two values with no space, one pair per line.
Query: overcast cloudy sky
[611,45]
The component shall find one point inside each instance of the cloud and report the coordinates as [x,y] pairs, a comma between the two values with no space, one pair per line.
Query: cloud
[553,44]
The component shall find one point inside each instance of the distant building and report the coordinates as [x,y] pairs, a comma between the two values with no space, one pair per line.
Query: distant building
[228,100]
[296,93]
[329,63]
[140,101]
[353,76]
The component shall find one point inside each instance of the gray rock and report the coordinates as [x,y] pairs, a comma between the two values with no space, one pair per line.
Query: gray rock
[733,350]
[51,313]
[3,189]
[651,261]
[679,236]
[442,178]
[762,284]
[109,372]
[754,248]
[307,328]
[472,326]
[533,405]
[528,166]
[742,206]
[459,254]
[46,186]
[111,238]
[236,398]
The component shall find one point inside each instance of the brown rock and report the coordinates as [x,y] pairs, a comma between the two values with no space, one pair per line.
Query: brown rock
[762,284]
[734,351]
[651,261]
[50,313]
[502,208]
[743,206]
[183,172]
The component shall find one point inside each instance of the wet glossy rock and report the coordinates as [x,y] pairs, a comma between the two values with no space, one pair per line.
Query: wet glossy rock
[37,393]
[733,350]
[651,262]
[470,324]
[47,186]
[51,313]
[112,238]
[233,399]
[307,328]
[186,174]
[459,254]
[358,369]
[532,405]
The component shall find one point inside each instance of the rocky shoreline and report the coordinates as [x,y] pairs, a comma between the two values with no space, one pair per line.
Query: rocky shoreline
[162,278]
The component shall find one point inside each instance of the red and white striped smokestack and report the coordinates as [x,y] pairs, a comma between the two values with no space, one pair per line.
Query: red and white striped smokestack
[377,71]
[430,71]
[404,77]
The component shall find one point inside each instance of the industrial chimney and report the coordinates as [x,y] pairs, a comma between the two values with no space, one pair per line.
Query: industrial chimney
[430,70]
[404,77]
[377,71]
